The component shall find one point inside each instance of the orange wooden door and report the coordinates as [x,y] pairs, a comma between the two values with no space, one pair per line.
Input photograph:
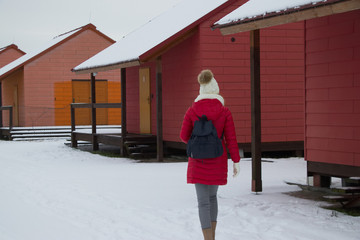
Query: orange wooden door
[81,94]
[101,97]
[144,100]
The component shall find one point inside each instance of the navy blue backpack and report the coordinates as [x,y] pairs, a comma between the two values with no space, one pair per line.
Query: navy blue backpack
[204,141]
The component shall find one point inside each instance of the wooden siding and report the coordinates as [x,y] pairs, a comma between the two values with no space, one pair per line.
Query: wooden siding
[46,81]
[282,80]
[333,89]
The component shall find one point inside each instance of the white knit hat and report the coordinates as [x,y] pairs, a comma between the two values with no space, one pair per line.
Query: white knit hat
[208,84]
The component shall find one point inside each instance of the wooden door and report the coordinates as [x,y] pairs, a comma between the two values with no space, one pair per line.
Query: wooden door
[15,107]
[144,100]
[81,94]
[101,97]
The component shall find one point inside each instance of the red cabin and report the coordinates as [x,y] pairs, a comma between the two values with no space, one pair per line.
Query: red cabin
[176,47]
[332,79]
[40,85]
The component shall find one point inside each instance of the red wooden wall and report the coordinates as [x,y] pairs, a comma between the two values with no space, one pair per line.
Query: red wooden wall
[333,89]
[282,80]
[7,55]
[44,85]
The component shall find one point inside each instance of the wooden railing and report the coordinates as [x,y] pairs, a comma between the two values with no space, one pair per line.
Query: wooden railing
[93,107]
[10,109]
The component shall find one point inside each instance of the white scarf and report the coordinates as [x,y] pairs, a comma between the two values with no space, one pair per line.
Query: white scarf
[210,96]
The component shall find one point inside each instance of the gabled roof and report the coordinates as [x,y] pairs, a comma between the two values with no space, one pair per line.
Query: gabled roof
[12,46]
[56,41]
[155,35]
[256,14]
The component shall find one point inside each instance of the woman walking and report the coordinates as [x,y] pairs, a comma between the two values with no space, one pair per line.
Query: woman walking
[208,174]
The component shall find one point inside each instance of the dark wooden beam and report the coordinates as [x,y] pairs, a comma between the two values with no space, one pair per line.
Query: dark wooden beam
[333,170]
[295,16]
[255,110]
[159,111]
[123,112]
[95,145]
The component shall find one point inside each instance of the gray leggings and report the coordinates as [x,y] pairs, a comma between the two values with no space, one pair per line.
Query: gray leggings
[207,203]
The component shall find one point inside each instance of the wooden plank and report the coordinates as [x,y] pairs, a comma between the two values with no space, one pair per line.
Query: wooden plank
[107,105]
[346,189]
[255,110]
[123,111]
[81,105]
[95,145]
[296,16]
[109,139]
[159,111]
[335,170]
[83,136]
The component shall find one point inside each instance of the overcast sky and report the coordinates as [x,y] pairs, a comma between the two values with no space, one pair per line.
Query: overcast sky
[29,23]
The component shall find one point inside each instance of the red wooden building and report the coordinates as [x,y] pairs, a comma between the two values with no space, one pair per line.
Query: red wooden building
[7,55]
[40,85]
[332,80]
[163,58]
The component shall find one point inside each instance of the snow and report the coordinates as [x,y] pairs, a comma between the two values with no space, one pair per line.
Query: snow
[254,8]
[51,191]
[151,34]
[18,62]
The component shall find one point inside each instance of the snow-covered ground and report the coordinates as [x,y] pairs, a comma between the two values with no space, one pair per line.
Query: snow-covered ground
[49,191]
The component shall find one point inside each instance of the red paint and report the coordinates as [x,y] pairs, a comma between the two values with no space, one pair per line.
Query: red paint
[333,89]
[282,79]
[37,78]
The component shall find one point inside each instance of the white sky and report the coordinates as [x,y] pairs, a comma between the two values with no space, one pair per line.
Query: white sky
[30,23]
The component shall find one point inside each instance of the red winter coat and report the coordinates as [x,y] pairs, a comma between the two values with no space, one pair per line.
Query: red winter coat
[212,171]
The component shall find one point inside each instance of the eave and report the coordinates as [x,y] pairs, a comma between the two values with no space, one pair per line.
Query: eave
[305,12]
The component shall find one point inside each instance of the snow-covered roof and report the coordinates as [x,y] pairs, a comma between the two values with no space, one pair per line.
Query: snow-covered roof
[256,8]
[7,69]
[22,60]
[132,46]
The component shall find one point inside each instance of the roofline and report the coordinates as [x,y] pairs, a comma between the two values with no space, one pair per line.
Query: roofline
[103,68]
[81,29]
[163,46]
[305,12]
[12,46]
[182,33]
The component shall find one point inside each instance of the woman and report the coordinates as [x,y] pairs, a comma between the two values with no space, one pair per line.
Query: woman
[208,174]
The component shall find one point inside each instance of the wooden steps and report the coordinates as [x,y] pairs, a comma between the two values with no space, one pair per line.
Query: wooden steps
[141,147]
[33,133]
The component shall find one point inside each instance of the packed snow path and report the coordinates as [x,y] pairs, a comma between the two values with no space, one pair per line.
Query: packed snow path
[50,191]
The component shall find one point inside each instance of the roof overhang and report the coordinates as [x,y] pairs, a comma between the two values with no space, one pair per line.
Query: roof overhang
[109,67]
[148,56]
[292,15]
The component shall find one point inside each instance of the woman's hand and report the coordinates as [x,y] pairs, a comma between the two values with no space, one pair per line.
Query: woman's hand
[236,167]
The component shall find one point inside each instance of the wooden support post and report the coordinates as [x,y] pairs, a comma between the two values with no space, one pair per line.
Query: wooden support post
[123,112]
[255,110]
[95,145]
[11,114]
[159,112]
[73,138]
